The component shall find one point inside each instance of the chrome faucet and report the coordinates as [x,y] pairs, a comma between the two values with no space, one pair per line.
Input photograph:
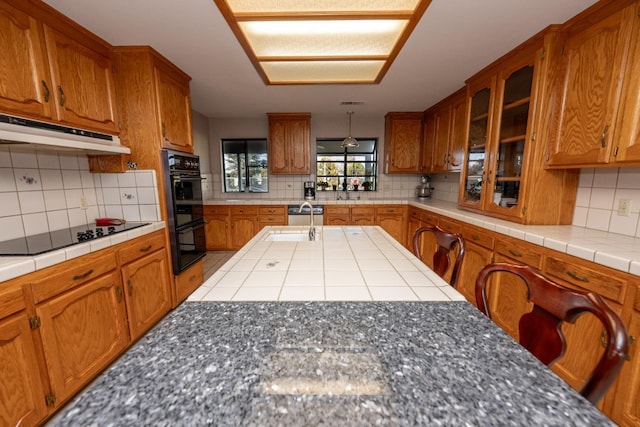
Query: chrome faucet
[312,228]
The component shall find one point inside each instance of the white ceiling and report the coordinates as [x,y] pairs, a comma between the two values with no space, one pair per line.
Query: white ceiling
[454,39]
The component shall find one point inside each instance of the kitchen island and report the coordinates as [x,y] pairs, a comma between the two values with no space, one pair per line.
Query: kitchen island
[438,361]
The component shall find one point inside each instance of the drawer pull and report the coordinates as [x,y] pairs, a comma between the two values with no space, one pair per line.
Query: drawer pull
[119,294]
[146,249]
[46,91]
[192,278]
[83,275]
[515,253]
[575,276]
[475,237]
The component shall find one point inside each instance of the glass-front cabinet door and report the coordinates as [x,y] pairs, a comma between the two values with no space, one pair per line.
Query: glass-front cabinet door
[500,117]
[513,116]
[477,152]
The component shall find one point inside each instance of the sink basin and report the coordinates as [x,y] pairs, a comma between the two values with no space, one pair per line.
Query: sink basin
[302,236]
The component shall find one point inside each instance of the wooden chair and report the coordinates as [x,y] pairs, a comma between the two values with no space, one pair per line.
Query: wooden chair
[447,243]
[540,329]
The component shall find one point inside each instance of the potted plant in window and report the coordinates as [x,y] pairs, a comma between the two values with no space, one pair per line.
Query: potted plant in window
[323,185]
[355,182]
[366,185]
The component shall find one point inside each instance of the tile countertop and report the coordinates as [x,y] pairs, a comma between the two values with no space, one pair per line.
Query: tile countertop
[14,266]
[344,262]
[328,363]
[601,247]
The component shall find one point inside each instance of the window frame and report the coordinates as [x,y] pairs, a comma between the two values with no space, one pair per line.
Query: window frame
[244,165]
[369,174]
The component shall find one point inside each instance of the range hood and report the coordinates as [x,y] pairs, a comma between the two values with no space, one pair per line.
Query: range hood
[47,136]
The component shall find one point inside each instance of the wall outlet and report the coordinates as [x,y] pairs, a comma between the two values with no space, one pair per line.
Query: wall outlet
[624,207]
[83,202]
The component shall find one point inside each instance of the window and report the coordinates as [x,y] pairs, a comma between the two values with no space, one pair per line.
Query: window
[347,168]
[245,166]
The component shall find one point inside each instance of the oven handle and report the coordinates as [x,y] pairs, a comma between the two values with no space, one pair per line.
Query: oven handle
[191,228]
[188,178]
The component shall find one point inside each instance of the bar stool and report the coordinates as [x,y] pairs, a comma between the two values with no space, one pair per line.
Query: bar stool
[447,243]
[553,304]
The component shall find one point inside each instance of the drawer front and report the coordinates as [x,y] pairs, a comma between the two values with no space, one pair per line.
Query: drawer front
[273,220]
[450,226]
[142,246]
[479,237]
[362,211]
[336,210]
[189,280]
[11,298]
[389,210]
[520,251]
[57,279]
[601,281]
[415,213]
[216,210]
[429,218]
[243,210]
[271,210]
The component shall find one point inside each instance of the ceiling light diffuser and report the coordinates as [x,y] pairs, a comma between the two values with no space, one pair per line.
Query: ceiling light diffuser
[312,42]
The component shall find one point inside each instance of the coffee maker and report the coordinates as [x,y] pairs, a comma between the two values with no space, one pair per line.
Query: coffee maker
[309,190]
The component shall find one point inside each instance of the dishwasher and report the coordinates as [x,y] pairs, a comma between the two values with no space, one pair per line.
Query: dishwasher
[296,217]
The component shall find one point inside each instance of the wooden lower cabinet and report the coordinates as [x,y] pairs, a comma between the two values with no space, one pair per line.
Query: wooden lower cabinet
[626,410]
[243,225]
[147,290]
[82,330]
[217,227]
[22,397]
[188,281]
[475,258]
[392,220]
[337,215]
[271,215]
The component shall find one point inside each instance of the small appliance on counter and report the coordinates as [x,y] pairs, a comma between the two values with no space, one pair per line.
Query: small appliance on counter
[423,191]
[309,190]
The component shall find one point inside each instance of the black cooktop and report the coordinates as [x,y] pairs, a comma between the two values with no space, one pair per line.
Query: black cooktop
[46,242]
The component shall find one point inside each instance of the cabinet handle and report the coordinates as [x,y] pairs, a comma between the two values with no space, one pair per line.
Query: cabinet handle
[145,249]
[119,294]
[515,253]
[475,237]
[164,130]
[603,136]
[575,276]
[130,286]
[192,278]
[46,91]
[83,275]
[62,98]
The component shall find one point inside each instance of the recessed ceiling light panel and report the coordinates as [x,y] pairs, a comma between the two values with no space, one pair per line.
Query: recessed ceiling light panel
[334,41]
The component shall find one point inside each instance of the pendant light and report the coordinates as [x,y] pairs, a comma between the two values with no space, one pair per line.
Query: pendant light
[350,142]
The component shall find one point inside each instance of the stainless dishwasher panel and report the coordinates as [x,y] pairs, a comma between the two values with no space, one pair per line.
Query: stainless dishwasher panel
[295,217]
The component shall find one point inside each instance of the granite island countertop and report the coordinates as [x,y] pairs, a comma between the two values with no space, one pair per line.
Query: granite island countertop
[328,363]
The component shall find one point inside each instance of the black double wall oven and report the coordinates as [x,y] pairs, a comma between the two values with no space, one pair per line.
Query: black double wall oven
[183,192]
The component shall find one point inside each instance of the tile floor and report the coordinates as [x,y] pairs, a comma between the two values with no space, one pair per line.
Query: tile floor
[214,260]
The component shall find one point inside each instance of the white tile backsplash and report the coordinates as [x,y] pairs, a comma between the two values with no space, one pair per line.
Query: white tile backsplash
[42,191]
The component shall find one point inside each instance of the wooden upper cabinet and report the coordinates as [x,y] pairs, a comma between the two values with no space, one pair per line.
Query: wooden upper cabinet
[447,142]
[174,109]
[58,73]
[26,88]
[598,102]
[503,174]
[82,83]
[289,140]
[403,142]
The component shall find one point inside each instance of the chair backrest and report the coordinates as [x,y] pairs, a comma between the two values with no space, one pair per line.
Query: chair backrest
[540,329]
[446,242]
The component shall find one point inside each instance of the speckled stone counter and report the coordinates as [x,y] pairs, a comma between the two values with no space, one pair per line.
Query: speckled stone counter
[328,364]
